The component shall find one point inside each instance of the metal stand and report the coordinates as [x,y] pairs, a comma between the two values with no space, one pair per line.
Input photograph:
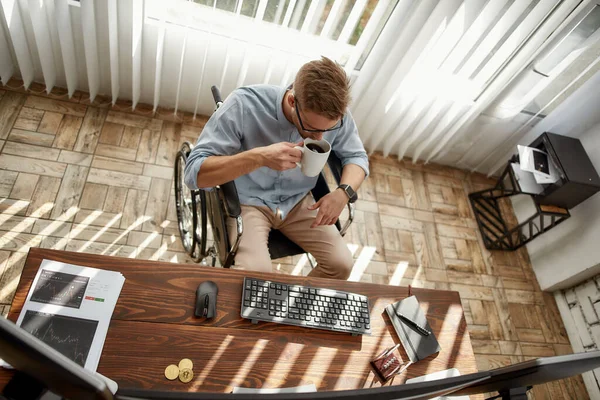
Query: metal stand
[496,234]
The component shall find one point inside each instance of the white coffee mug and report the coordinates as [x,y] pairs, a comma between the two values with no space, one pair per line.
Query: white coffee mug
[312,161]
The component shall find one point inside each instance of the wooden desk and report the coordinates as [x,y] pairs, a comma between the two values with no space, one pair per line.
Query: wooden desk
[154,325]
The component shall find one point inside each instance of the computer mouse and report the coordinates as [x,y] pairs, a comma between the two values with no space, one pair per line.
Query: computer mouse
[206,299]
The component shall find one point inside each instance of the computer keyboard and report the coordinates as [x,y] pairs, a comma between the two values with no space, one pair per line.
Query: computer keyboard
[306,306]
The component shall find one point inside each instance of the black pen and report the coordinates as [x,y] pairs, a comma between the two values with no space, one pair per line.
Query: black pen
[413,324]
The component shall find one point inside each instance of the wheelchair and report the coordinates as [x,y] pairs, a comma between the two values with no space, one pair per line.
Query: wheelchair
[201,214]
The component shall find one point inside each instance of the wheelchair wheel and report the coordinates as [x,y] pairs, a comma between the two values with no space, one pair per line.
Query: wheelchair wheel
[185,204]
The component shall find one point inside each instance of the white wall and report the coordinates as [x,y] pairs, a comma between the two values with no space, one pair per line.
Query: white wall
[570,252]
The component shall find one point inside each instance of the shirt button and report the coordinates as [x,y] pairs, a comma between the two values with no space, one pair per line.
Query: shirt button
[282,198]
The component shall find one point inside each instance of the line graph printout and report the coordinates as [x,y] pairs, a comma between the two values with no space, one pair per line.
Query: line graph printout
[69,307]
[60,288]
[70,336]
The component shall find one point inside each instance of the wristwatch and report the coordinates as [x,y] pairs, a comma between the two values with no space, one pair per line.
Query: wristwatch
[352,196]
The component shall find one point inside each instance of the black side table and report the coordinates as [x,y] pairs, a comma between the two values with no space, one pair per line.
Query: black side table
[578,181]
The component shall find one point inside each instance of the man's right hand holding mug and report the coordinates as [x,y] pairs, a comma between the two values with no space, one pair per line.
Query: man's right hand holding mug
[280,156]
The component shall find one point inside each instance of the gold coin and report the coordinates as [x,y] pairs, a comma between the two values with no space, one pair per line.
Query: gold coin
[186,363]
[172,372]
[186,375]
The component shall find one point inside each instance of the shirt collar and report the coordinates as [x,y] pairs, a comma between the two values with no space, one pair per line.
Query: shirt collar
[284,124]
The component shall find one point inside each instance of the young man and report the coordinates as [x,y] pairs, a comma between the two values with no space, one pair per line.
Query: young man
[251,139]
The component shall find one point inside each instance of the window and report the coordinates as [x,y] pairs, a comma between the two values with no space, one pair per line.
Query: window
[335,26]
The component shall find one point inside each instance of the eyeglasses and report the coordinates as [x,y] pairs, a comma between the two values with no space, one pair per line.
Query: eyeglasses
[335,128]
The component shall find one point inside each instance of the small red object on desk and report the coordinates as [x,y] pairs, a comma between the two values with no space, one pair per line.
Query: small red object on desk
[387,364]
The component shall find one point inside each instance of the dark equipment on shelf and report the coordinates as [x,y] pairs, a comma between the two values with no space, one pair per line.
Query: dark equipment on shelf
[578,180]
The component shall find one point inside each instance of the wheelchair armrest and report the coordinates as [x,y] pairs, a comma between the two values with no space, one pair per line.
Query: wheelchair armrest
[335,165]
[231,200]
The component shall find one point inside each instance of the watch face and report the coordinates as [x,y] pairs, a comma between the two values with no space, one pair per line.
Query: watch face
[350,193]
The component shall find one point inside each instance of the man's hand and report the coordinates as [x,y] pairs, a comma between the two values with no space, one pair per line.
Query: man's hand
[330,207]
[280,156]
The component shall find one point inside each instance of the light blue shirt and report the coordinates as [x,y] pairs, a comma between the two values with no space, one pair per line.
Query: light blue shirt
[252,117]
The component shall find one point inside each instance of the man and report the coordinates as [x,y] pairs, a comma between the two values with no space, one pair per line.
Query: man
[251,139]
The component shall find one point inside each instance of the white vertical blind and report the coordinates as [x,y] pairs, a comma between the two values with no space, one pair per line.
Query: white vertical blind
[366,35]
[137,24]
[6,62]
[113,37]
[67,45]
[41,31]
[333,17]
[14,22]
[311,14]
[423,71]
[90,44]
[350,25]
[181,63]
[160,44]
[288,13]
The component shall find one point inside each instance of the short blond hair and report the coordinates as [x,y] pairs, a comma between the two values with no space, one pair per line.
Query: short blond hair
[321,86]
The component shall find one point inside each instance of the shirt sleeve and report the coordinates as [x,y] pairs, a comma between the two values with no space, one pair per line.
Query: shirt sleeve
[221,136]
[348,146]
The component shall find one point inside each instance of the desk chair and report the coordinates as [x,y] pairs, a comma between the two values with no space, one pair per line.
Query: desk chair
[198,208]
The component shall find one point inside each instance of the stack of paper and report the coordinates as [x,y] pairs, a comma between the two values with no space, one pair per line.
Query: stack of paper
[69,307]
[538,163]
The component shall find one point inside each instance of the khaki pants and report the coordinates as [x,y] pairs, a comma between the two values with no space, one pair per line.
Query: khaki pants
[325,243]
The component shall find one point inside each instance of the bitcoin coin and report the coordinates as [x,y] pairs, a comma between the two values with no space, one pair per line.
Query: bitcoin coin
[186,375]
[172,372]
[186,363]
